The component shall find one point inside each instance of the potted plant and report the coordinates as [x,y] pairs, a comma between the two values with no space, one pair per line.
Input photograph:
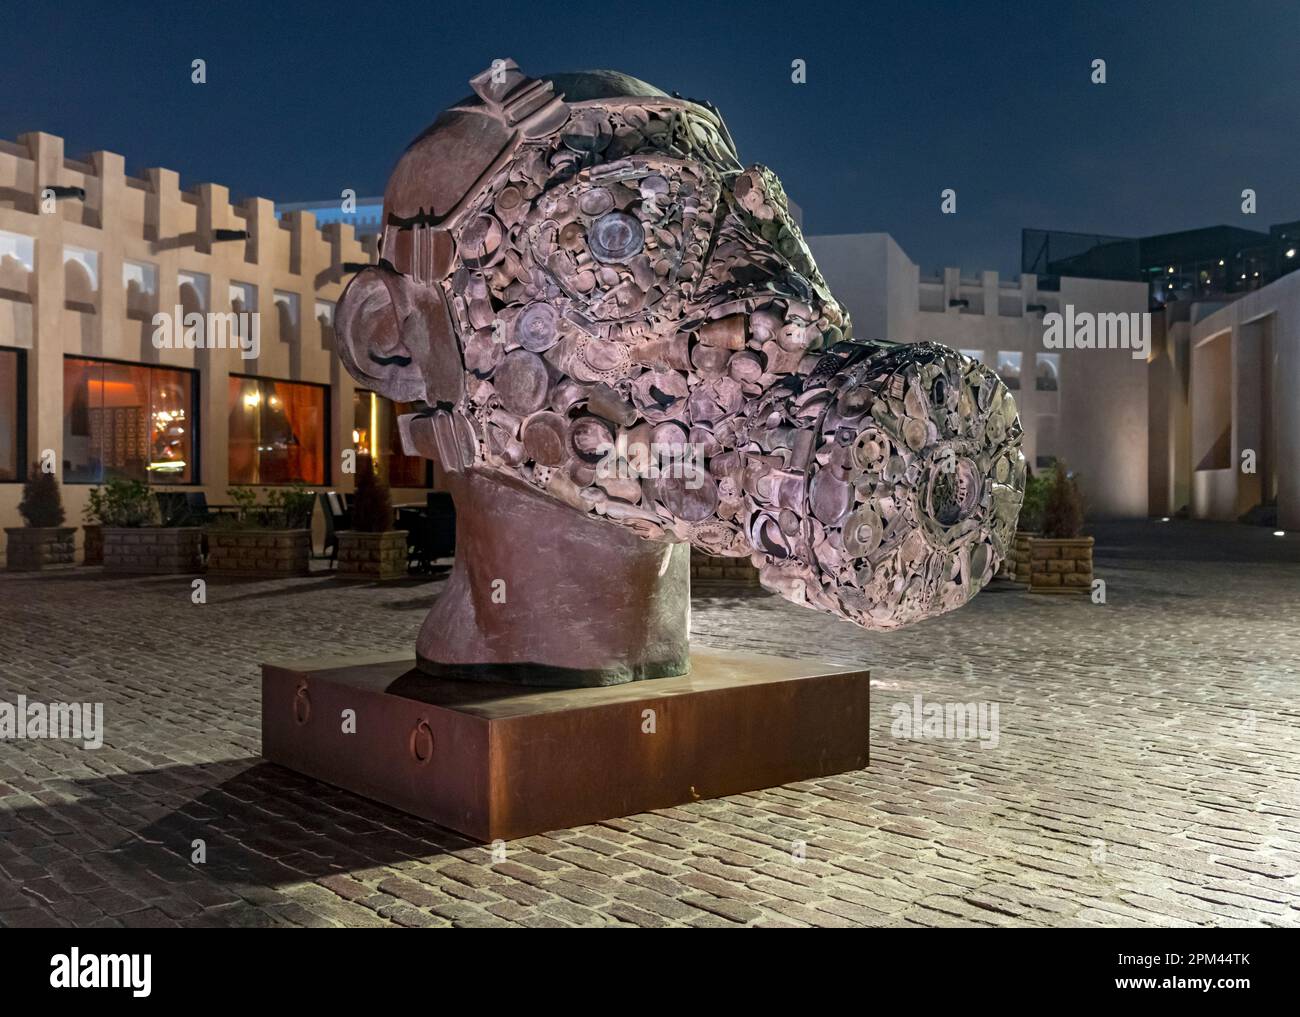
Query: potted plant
[43,539]
[708,568]
[268,539]
[1060,560]
[372,549]
[1029,524]
[135,538]
[93,528]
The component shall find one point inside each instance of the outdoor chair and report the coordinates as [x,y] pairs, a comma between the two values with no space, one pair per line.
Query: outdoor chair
[172,508]
[338,517]
[440,525]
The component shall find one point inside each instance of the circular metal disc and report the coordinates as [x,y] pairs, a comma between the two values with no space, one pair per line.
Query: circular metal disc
[521,381]
[545,439]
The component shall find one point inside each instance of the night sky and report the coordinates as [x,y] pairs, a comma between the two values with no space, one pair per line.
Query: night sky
[902,100]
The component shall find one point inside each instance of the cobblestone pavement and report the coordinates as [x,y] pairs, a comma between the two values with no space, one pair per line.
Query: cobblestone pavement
[1146,769]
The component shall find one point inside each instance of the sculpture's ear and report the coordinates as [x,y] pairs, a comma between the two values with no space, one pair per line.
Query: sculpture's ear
[395,337]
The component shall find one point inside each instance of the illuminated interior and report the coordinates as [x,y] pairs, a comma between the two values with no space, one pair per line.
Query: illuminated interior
[131,421]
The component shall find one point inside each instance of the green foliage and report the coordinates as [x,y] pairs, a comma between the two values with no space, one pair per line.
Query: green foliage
[1031,508]
[42,505]
[284,509]
[245,500]
[122,502]
[291,507]
[93,513]
[1063,510]
[372,509]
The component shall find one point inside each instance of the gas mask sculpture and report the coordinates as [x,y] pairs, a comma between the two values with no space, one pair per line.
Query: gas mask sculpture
[596,301]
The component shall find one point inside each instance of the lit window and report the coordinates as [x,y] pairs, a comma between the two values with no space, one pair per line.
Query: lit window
[140,279]
[286,304]
[194,292]
[1009,369]
[17,262]
[243,297]
[325,321]
[16,247]
[243,300]
[13,379]
[375,433]
[1045,436]
[127,420]
[81,276]
[1047,372]
[278,432]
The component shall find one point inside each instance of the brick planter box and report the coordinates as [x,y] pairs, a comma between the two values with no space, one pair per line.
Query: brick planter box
[707,568]
[158,550]
[371,555]
[32,548]
[93,551]
[1060,566]
[1015,566]
[259,552]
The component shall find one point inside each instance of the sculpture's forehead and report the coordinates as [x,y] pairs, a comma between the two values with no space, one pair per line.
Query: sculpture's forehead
[612,128]
[441,171]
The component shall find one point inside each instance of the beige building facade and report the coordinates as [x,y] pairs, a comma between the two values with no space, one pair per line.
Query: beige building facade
[1206,424]
[89,256]
[1087,407]
[1233,438]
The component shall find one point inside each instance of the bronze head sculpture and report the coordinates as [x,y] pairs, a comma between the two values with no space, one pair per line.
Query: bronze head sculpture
[612,323]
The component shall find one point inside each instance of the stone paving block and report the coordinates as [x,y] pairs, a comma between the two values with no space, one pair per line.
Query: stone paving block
[732,910]
[633,915]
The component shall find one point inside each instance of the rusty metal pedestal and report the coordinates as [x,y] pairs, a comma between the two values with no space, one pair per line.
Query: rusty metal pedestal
[499,761]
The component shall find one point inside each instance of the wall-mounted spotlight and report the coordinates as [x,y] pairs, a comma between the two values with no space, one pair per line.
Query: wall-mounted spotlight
[59,191]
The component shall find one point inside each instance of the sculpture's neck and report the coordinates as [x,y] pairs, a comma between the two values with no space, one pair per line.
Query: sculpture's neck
[541,594]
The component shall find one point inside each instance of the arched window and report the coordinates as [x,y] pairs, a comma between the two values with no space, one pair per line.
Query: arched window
[1047,372]
[80,277]
[194,292]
